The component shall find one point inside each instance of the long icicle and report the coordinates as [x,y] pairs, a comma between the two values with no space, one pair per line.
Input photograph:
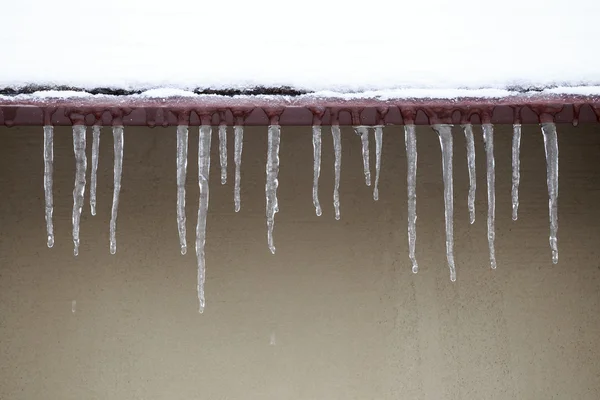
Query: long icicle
[551,150]
[203,174]
[237,158]
[445,135]
[468,129]
[182,154]
[79,189]
[316,140]
[94,174]
[118,171]
[488,137]
[378,148]
[363,132]
[223,152]
[337,147]
[516,169]
[272,181]
[410,139]
[48,172]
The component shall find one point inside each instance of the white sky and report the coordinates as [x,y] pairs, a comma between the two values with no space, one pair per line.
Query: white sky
[309,44]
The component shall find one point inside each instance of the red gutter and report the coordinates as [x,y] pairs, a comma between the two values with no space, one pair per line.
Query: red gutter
[302,110]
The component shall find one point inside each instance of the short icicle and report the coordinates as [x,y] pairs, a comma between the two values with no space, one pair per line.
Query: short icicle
[488,137]
[551,150]
[48,182]
[94,172]
[468,129]
[118,171]
[79,145]
[516,169]
[445,135]
[237,158]
[410,139]
[378,148]
[203,174]
[223,152]
[272,181]
[316,140]
[363,132]
[182,154]
[337,148]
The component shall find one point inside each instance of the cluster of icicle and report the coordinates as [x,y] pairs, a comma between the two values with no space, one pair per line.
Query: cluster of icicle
[443,131]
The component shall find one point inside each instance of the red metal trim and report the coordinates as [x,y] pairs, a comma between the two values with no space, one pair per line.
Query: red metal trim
[303,110]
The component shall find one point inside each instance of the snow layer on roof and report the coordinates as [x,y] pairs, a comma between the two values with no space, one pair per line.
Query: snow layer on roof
[312,45]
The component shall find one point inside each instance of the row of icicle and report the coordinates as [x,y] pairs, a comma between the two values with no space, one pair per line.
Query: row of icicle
[444,133]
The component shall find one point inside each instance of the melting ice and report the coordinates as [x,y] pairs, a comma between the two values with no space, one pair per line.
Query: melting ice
[516,169]
[337,148]
[223,152]
[93,178]
[182,152]
[445,135]
[48,171]
[378,148]
[410,139]
[363,132]
[316,140]
[203,173]
[237,158]
[79,189]
[468,129]
[488,137]
[551,150]
[272,181]
[118,171]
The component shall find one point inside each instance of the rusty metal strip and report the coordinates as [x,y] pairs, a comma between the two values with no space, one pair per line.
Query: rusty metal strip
[303,110]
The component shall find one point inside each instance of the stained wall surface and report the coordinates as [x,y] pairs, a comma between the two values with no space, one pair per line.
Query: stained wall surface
[336,313]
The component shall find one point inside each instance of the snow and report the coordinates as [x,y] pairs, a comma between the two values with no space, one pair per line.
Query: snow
[432,46]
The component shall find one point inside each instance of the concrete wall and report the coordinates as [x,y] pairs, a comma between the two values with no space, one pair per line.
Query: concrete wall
[335,314]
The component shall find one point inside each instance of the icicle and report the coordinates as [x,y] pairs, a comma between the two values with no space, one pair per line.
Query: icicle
[94,179]
[378,146]
[468,129]
[363,131]
[80,170]
[223,152]
[337,146]
[118,171]
[203,174]
[48,171]
[445,134]
[551,149]
[488,137]
[316,167]
[239,144]
[182,153]
[272,182]
[516,167]
[410,139]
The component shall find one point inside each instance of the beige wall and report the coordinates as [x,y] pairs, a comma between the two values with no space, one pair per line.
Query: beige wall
[335,314]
